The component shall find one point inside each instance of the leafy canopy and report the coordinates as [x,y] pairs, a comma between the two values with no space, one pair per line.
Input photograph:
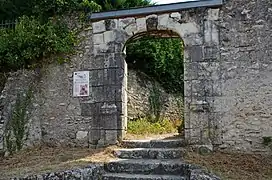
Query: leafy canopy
[160,58]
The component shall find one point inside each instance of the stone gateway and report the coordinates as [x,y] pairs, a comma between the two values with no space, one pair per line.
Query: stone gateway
[227,79]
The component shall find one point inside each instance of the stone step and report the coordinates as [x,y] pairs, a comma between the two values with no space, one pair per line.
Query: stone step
[150,166]
[124,176]
[150,153]
[173,143]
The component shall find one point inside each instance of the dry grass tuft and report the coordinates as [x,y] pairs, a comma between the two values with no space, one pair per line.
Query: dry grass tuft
[235,166]
[40,160]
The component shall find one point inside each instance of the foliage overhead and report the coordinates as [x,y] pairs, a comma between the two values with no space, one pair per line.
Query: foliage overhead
[39,32]
[122,4]
[160,58]
[31,40]
[12,9]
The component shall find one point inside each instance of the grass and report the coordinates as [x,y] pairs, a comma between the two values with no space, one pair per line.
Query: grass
[41,160]
[235,166]
[144,126]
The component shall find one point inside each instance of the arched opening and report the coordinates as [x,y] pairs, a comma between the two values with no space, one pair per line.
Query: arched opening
[155,84]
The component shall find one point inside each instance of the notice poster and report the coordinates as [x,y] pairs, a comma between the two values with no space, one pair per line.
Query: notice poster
[81,84]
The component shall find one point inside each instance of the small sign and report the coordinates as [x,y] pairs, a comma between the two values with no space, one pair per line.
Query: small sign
[81,84]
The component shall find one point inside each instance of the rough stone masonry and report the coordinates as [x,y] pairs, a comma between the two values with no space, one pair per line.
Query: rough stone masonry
[228,79]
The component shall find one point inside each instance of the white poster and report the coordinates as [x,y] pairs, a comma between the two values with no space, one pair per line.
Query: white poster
[81,84]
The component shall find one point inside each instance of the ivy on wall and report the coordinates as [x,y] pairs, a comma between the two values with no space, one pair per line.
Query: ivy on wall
[16,131]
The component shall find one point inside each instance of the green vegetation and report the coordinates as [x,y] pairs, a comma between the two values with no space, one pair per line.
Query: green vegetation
[155,102]
[180,103]
[160,58]
[43,9]
[31,41]
[40,30]
[3,79]
[16,127]
[122,4]
[144,126]
[267,141]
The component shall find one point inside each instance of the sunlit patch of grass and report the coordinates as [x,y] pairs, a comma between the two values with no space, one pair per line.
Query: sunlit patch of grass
[143,126]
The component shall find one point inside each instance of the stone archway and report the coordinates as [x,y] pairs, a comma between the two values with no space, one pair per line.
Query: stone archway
[202,64]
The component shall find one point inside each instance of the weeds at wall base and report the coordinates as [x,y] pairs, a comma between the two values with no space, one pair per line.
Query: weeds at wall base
[16,130]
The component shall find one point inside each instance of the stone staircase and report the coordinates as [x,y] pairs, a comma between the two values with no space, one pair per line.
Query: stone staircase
[153,160]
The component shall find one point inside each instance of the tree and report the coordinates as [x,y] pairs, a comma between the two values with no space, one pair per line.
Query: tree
[160,58]
[122,4]
[12,9]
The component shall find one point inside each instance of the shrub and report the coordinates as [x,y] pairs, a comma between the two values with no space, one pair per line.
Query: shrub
[31,40]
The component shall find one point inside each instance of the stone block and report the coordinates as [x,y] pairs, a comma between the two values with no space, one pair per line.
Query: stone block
[96,77]
[187,52]
[151,22]
[141,24]
[110,121]
[211,33]
[131,29]
[98,39]
[149,153]
[111,24]
[215,34]
[94,136]
[108,108]
[203,70]
[123,23]
[121,121]
[213,14]
[111,137]
[208,32]
[192,39]
[119,47]
[190,71]
[188,28]
[109,36]
[195,53]
[163,21]
[110,94]
[175,15]
[1,145]
[98,95]
[90,109]
[211,53]
[121,36]
[121,107]
[80,135]
[99,27]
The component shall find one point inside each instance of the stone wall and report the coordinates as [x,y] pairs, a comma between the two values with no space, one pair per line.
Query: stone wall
[246,71]
[55,117]
[139,91]
[228,65]
[92,172]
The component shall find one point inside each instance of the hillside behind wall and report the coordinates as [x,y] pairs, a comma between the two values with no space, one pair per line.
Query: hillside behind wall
[140,89]
[246,66]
